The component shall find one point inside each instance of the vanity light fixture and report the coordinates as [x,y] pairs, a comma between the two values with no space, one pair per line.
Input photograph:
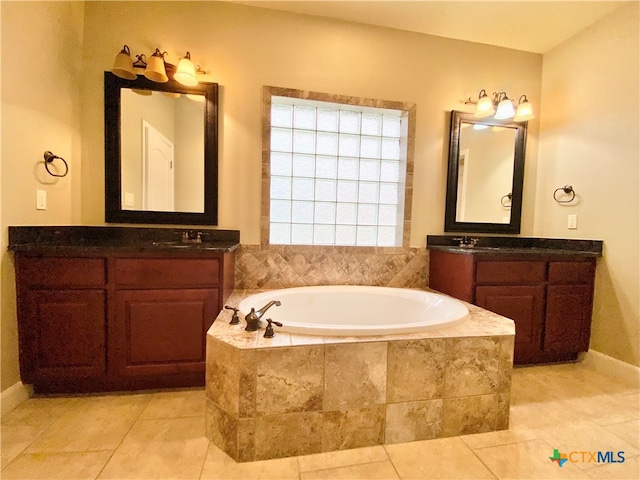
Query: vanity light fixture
[156,68]
[524,111]
[186,72]
[123,66]
[505,107]
[485,106]
[156,71]
[501,107]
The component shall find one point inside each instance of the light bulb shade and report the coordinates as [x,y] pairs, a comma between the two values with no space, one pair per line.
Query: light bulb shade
[505,110]
[155,70]
[186,72]
[123,65]
[524,112]
[484,108]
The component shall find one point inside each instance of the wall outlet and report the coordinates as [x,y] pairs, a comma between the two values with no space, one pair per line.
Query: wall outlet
[41,199]
[572,222]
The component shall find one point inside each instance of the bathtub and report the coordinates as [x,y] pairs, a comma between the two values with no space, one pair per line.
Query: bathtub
[357,310]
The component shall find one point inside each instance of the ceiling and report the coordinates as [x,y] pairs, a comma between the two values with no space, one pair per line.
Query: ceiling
[532,26]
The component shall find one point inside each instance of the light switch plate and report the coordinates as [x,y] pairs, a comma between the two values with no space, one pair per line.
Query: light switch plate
[41,199]
[572,222]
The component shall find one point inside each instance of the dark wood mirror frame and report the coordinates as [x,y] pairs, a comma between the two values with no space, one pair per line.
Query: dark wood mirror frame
[450,222]
[113,170]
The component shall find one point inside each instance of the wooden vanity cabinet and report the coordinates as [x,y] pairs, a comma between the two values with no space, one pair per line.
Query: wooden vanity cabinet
[117,321]
[548,297]
[61,318]
[162,311]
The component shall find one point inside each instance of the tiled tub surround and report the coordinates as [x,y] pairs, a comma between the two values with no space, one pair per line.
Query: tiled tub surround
[295,395]
[280,266]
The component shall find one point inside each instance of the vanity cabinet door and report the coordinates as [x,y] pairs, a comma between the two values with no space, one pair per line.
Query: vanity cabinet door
[161,332]
[524,305]
[568,318]
[62,335]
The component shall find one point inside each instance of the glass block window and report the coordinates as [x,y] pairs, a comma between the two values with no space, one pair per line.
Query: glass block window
[337,173]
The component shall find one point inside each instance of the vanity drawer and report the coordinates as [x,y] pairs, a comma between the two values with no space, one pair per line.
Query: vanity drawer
[571,272]
[61,271]
[166,272]
[504,273]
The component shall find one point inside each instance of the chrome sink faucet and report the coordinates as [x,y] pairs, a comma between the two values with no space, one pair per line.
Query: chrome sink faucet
[253,317]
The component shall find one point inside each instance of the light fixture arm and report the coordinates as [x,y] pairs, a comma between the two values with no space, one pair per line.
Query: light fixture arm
[140,61]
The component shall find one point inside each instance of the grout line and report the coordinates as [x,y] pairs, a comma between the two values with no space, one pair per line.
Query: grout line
[395,469]
[125,435]
[495,476]
[204,460]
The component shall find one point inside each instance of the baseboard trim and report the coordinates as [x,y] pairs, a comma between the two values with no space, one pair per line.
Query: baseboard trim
[607,365]
[14,396]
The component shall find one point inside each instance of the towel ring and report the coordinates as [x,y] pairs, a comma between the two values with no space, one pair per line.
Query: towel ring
[506,203]
[49,158]
[568,190]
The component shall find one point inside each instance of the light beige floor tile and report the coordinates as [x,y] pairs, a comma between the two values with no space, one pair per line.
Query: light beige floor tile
[40,412]
[542,414]
[548,383]
[566,381]
[15,438]
[160,448]
[65,466]
[607,409]
[377,470]
[526,460]
[341,458]
[185,403]
[439,458]
[502,437]
[585,436]
[218,465]
[629,469]
[628,431]
[95,423]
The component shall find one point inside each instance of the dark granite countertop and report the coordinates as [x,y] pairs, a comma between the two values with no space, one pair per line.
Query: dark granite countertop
[69,239]
[515,245]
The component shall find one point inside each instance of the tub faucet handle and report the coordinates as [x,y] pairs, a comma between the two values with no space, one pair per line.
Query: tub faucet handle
[234,318]
[268,332]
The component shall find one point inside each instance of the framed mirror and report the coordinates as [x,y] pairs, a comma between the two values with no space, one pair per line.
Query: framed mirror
[485,175]
[161,152]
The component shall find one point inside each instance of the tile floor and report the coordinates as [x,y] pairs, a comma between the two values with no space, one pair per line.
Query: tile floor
[161,435]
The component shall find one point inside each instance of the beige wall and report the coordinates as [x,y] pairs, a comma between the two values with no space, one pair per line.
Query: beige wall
[589,135]
[244,48]
[41,65]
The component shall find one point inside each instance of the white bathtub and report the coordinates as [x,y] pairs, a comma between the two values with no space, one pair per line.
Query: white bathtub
[357,310]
